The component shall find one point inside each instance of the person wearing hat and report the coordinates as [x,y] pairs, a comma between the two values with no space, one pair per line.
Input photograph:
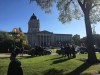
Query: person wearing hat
[14,65]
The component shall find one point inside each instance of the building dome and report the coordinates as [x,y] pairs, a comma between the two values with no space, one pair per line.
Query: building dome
[33,17]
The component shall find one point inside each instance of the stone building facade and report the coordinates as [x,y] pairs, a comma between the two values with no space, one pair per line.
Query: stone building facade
[44,38]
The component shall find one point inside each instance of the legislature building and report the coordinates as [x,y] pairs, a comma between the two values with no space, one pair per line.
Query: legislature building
[44,38]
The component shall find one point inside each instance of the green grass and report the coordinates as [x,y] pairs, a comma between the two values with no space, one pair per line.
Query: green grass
[53,65]
[54,50]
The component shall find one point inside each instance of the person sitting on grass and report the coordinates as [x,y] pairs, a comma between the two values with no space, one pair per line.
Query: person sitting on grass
[14,65]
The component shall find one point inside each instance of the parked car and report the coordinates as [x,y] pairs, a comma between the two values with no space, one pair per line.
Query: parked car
[97,50]
[34,52]
[47,51]
[59,51]
[83,50]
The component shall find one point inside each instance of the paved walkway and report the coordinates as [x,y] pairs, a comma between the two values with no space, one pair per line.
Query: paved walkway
[8,55]
[4,54]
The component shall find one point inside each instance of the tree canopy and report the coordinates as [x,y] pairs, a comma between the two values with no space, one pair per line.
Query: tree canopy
[6,41]
[4,36]
[69,9]
[19,37]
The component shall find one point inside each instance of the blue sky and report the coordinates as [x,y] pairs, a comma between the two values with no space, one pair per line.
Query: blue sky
[16,13]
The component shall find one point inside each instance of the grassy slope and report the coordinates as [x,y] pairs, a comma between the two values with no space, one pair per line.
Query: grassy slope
[52,65]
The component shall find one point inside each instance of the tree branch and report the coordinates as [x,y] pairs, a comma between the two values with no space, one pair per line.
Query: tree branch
[88,6]
[95,5]
[82,5]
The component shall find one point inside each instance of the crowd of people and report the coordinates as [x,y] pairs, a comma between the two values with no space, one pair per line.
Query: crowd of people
[15,65]
[38,51]
[67,51]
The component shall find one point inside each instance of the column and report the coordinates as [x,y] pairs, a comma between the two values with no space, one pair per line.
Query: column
[43,40]
[40,40]
[46,40]
[49,40]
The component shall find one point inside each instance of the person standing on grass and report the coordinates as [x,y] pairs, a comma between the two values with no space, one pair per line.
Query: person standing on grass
[68,51]
[17,50]
[73,51]
[22,51]
[62,51]
[14,67]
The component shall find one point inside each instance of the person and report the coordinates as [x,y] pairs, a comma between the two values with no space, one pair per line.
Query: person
[22,50]
[73,51]
[14,65]
[16,50]
[68,51]
[62,51]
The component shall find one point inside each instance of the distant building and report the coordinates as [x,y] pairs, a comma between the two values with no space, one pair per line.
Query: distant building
[44,38]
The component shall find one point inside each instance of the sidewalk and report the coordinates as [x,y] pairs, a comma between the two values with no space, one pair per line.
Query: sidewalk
[8,55]
[4,54]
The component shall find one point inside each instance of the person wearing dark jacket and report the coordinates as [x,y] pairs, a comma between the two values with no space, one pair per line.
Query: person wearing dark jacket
[14,66]
[68,51]
[73,51]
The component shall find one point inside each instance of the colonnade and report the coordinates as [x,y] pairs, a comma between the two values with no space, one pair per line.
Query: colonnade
[44,40]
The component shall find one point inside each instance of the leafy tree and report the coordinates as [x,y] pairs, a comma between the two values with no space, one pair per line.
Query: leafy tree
[69,9]
[83,41]
[6,41]
[4,35]
[19,37]
[97,39]
[76,40]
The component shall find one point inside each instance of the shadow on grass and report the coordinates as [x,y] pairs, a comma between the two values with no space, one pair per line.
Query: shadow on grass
[80,69]
[54,58]
[77,71]
[82,59]
[34,74]
[25,57]
[53,71]
[59,61]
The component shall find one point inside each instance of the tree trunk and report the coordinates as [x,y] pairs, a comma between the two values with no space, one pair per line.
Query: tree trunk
[91,53]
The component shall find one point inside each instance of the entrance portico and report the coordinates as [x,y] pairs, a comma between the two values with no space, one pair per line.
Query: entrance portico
[44,39]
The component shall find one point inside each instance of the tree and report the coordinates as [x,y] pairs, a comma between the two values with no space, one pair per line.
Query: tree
[75,9]
[6,41]
[83,41]
[76,40]
[19,37]
[97,39]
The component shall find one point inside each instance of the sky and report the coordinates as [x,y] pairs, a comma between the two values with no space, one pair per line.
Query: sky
[16,13]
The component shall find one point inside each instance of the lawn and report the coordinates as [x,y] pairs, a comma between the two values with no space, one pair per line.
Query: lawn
[53,65]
